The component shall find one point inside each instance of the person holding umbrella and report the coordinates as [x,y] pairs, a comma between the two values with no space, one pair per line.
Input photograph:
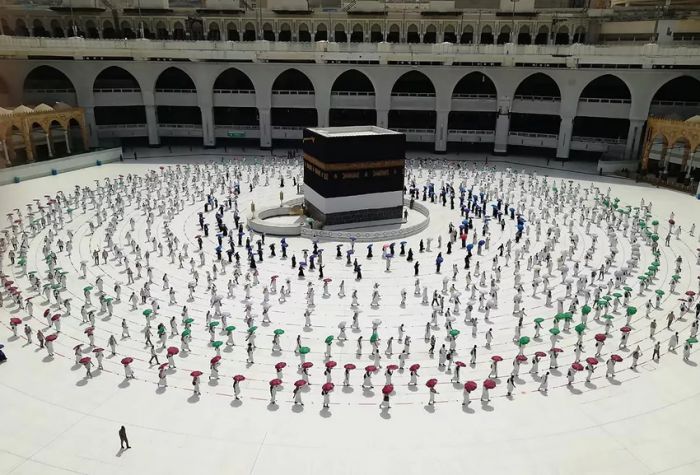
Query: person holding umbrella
[195,382]
[386,392]
[469,386]
[544,383]
[325,392]
[346,379]
[367,382]
[414,374]
[162,376]
[431,391]
[297,391]
[87,363]
[590,367]
[686,350]
[274,387]
[128,372]
[635,357]
[99,354]
[237,386]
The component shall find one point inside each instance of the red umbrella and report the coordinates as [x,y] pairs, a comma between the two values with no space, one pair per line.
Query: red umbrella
[46,312]
[98,350]
[76,347]
[540,354]
[577,366]
[55,317]
[591,361]
[521,358]
[470,386]
[431,382]
[392,367]
[349,366]
[238,378]
[557,350]
[172,351]
[371,368]
[127,360]
[626,329]
[414,367]
[328,279]
[215,359]
[164,366]
[616,358]
[299,383]
[328,387]
[51,337]
[388,389]
[15,321]
[600,337]
[489,384]
[89,330]
[280,365]
[331,364]
[196,374]
[85,360]
[690,293]
[496,358]
[307,364]
[462,364]
[275,382]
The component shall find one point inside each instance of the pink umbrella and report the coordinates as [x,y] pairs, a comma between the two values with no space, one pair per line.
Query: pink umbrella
[215,359]
[540,354]
[15,321]
[557,350]
[328,279]
[238,378]
[164,366]
[127,360]
[349,366]
[496,358]
[462,364]
[616,358]
[591,361]
[577,366]
[388,389]
[85,360]
[172,351]
[414,367]
[690,293]
[307,364]
[489,384]
[89,330]
[626,329]
[331,364]
[46,312]
[55,317]
[299,383]
[328,387]
[275,382]
[392,367]
[196,374]
[51,337]
[280,365]
[431,383]
[370,368]
[521,358]
[600,337]
[98,350]
[470,386]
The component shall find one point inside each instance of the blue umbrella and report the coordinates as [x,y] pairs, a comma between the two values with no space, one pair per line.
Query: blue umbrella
[369,246]
[470,247]
[482,242]
[404,242]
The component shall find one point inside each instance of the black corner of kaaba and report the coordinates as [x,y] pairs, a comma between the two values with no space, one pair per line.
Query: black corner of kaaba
[346,162]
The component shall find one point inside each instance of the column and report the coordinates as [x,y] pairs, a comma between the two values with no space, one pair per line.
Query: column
[441,131]
[7,156]
[634,137]
[48,143]
[28,145]
[265,128]
[500,145]
[566,127]
[208,136]
[91,126]
[323,114]
[383,118]
[152,124]
[66,137]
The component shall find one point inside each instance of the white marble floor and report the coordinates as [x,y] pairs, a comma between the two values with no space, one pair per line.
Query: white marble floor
[641,421]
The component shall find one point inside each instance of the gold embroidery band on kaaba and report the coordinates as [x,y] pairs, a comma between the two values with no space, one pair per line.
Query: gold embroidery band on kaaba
[339,167]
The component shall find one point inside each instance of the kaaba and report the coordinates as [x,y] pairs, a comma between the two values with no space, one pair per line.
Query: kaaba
[353,175]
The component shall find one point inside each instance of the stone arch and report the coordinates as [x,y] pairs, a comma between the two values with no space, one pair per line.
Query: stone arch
[108,31]
[21,28]
[267,32]
[321,32]
[579,35]
[562,36]
[538,84]
[127,30]
[357,35]
[57,29]
[179,31]
[214,33]
[413,82]
[47,77]
[475,83]
[412,35]
[91,30]
[487,35]
[232,32]
[293,80]
[353,80]
[304,33]
[285,33]
[339,33]
[430,35]
[679,89]
[467,36]
[39,30]
[394,35]
[249,32]
[542,37]
[504,35]
[233,79]
[449,35]
[174,78]
[114,77]
[375,33]
[524,36]
[606,86]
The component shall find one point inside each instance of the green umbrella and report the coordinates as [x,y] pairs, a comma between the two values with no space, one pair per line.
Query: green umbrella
[580,328]
[607,316]
[252,329]
[22,261]
[304,350]
[660,292]
[374,337]
[631,310]
[642,278]
[454,332]
[230,328]
[676,277]
[539,320]
[585,310]
[652,268]
[524,340]
[217,343]
[649,273]
[329,339]
[554,331]
[607,297]
[88,288]
[278,331]
[147,312]
[656,263]
[559,316]
[655,223]
[31,272]
[654,237]
[108,299]
[189,321]
[627,289]
[602,303]
[617,295]
[213,324]
[56,286]
[692,340]
[187,332]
